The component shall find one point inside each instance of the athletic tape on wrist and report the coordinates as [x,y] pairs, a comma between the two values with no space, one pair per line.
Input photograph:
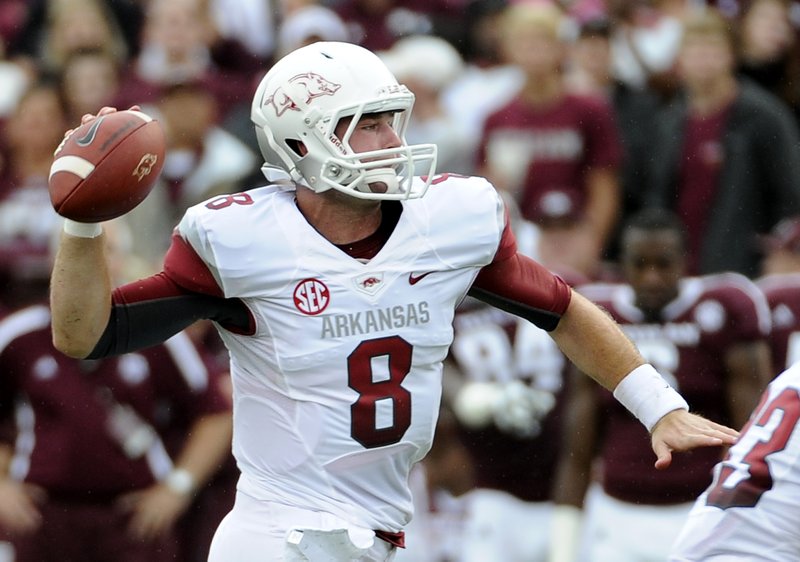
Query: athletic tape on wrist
[82,229]
[648,396]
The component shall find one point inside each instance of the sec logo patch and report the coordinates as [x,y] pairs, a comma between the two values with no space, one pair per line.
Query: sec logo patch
[311,296]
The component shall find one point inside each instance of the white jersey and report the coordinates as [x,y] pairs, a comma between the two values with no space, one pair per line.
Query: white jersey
[337,393]
[751,511]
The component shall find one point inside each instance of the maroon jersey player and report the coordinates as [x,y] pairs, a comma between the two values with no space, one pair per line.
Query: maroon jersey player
[708,334]
[783,294]
[101,447]
[780,282]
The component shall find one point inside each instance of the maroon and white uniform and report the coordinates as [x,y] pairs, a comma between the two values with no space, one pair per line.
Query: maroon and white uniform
[90,431]
[550,150]
[687,347]
[783,295]
[636,511]
[496,347]
[515,452]
[336,362]
[752,508]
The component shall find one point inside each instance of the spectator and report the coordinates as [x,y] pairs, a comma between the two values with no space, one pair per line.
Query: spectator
[109,453]
[748,511]
[243,34]
[489,79]
[89,80]
[780,282]
[176,48]
[709,335]
[645,41]
[123,16]
[590,72]
[432,123]
[57,28]
[377,24]
[769,49]
[553,149]
[26,223]
[725,155]
[308,24]
[13,76]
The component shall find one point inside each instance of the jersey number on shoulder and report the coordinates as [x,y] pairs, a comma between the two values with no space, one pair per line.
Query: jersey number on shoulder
[376,369]
[745,474]
[224,201]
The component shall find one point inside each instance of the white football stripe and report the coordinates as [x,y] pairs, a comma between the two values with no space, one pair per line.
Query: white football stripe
[143,116]
[74,164]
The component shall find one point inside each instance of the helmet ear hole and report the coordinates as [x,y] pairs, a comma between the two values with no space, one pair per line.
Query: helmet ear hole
[297,147]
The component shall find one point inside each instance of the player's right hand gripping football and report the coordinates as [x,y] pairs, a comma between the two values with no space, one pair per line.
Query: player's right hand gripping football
[680,431]
[107,166]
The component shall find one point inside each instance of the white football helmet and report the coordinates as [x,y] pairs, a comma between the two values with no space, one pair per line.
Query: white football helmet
[301,100]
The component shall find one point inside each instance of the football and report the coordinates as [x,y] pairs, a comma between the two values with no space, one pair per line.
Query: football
[107,166]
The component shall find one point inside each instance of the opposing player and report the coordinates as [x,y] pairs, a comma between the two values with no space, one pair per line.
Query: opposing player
[504,380]
[334,289]
[751,509]
[780,282]
[707,335]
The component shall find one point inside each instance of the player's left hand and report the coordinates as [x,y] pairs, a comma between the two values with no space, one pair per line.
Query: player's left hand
[153,510]
[681,431]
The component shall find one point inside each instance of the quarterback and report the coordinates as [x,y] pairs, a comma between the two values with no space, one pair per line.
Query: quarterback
[334,289]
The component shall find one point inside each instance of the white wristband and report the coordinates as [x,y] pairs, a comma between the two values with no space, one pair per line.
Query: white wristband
[82,229]
[180,481]
[648,396]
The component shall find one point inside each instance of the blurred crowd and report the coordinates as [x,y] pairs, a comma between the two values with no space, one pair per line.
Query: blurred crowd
[601,121]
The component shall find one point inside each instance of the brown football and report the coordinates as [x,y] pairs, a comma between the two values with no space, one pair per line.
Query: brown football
[107,166]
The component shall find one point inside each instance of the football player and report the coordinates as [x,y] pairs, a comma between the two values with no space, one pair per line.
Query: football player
[707,336]
[780,282]
[104,457]
[750,510]
[334,289]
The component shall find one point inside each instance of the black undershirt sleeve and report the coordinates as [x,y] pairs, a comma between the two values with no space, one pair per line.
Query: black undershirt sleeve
[152,310]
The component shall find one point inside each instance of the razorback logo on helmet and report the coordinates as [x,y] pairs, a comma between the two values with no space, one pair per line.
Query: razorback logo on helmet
[314,86]
[311,296]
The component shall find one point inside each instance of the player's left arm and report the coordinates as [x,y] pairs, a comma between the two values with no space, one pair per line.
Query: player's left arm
[597,346]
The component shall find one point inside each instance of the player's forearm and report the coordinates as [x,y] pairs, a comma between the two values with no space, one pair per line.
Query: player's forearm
[595,343]
[207,447]
[599,348]
[80,294]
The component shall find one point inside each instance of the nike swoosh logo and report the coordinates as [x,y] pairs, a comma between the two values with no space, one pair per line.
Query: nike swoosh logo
[414,279]
[87,139]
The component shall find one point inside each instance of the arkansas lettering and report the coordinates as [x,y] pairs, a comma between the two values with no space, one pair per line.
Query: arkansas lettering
[370,321]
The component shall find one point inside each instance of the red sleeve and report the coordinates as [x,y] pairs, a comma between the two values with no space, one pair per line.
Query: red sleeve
[184,266]
[523,287]
[184,273]
[151,310]
[508,242]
